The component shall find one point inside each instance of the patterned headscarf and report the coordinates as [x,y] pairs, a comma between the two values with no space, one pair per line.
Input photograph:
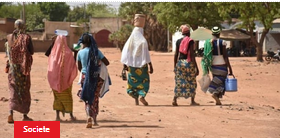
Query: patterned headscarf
[92,74]
[19,53]
[62,69]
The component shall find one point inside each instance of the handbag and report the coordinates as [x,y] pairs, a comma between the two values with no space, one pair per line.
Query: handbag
[123,75]
[204,82]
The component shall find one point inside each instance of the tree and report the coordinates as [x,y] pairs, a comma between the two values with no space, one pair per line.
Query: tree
[154,32]
[78,13]
[11,10]
[265,12]
[5,3]
[33,13]
[100,10]
[174,14]
[120,37]
[56,11]
[34,17]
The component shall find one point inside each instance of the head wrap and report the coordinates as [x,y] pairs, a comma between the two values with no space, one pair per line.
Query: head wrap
[92,73]
[135,52]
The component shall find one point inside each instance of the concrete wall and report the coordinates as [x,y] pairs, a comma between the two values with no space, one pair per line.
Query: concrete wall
[99,25]
[109,23]
[7,25]
[51,26]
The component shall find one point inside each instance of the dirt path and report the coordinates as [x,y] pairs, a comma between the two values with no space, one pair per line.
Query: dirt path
[252,112]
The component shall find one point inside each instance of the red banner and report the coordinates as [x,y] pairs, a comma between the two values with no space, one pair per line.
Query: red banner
[36,129]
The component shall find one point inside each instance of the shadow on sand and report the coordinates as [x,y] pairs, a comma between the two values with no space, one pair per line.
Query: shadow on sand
[101,121]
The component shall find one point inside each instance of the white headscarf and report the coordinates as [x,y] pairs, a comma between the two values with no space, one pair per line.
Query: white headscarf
[135,52]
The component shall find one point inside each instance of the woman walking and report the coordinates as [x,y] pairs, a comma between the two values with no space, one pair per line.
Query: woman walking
[185,68]
[20,51]
[216,60]
[62,71]
[89,64]
[136,58]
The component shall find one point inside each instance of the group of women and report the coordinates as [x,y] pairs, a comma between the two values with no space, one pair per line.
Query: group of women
[215,59]
[94,78]
[62,71]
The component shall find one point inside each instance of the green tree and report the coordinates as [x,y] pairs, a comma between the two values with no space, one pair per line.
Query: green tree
[34,17]
[5,3]
[78,13]
[11,11]
[265,12]
[100,10]
[120,37]
[174,14]
[154,32]
[56,11]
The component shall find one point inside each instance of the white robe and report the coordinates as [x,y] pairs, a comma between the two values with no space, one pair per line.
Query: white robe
[135,52]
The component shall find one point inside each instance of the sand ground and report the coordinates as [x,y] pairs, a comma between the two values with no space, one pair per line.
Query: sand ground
[252,112]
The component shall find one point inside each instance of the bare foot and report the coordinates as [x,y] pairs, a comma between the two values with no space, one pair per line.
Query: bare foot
[95,124]
[142,99]
[73,119]
[10,119]
[174,103]
[26,118]
[89,123]
[218,102]
[194,104]
[136,101]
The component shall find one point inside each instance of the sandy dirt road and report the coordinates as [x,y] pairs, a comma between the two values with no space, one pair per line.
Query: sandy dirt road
[252,112]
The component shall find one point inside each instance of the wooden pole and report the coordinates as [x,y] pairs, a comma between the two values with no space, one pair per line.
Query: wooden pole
[24,13]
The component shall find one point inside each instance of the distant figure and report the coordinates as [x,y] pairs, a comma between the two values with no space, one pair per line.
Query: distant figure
[136,58]
[215,59]
[20,51]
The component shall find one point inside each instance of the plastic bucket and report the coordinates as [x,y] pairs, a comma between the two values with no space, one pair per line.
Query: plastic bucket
[231,84]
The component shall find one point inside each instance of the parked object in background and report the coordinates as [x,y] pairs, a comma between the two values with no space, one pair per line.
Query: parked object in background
[271,55]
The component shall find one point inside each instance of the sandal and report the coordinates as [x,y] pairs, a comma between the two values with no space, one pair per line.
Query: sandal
[142,99]
[89,123]
[10,119]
